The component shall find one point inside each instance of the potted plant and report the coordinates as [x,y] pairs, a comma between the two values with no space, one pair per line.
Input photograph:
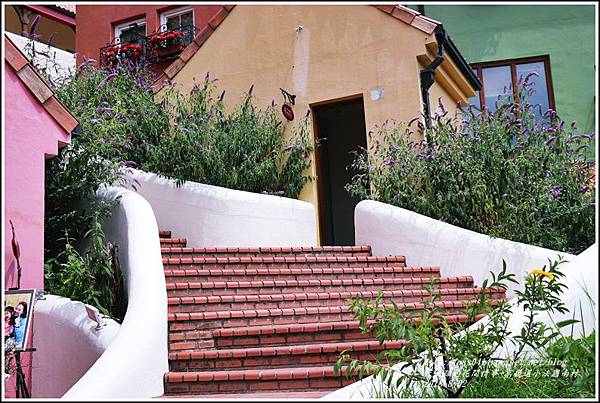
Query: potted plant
[130,51]
[126,50]
[167,43]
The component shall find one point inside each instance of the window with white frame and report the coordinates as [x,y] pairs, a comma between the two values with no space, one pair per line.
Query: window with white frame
[177,18]
[130,31]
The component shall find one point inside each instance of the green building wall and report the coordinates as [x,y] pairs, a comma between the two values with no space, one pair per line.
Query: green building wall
[485,33]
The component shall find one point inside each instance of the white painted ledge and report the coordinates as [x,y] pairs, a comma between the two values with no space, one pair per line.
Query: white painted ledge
[134,364]
[424,241]
[581,298]
[428,242]
[212,216]
[67,344]
[61,63]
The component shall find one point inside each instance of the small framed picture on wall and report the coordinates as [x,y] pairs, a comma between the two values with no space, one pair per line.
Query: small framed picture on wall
[18,308]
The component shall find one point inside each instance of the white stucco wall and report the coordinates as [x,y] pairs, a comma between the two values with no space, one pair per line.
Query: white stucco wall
[61,63]
[212,216]
[135,362]
[424,241]
[581,298]
[67,344]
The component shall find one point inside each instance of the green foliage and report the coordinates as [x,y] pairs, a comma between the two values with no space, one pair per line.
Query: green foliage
[505,174]
[443,359]
[576,357]
[90,278]
[118,123]
[245,149]
[540,294]
[567,372]
[98,154]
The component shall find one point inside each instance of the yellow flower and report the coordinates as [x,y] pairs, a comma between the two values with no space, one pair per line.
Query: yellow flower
[539,272]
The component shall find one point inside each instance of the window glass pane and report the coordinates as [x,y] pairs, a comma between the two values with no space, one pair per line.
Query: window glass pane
[177,21]
[537,92]
[187,19]
[172,22]
[133,34]
[497,82]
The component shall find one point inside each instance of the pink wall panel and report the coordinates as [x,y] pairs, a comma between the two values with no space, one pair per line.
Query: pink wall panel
[31,134]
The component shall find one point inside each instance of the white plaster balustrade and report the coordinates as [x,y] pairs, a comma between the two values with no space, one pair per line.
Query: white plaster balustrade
[212,216]
[458,252]
[134,363]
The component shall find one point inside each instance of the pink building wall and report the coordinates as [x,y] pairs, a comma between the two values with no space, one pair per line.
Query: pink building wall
[31,135]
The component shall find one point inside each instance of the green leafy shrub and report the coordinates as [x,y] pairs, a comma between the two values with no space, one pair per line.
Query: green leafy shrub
[119,124]
[119,119]
[440,359]
[245,149]
[567,372]
[506,174]
[91,278]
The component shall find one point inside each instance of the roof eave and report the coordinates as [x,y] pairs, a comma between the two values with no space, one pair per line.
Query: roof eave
[431,27]
[460,61]
[55,14]
[17,60]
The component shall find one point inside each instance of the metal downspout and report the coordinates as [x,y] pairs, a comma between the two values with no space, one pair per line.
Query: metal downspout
[427,75]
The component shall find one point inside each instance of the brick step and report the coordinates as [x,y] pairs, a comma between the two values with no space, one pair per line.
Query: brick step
[277,357]
[173,242]
[267,273]
[208,288]
[262,317]
[256,395]
[272,335]
[277,335]
[236,381]
[274,301]
[164,234]
[281,262]
[268,251]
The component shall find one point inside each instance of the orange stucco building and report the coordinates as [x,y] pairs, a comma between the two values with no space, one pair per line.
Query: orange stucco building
[352,66]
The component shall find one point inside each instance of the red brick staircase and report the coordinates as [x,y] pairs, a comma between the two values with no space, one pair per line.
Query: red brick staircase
[271,322]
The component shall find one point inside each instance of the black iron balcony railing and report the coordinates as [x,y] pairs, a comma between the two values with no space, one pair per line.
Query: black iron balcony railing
[159,46]
[120,49]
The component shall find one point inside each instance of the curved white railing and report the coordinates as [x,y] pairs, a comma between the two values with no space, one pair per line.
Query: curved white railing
[135,362]
[70,345]
[212,216]
[580,297]
[428,242]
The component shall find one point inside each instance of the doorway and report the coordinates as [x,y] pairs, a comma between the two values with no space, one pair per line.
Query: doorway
[340,128]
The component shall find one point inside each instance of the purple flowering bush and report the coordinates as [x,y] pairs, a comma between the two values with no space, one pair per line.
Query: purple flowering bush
[506,173]
[246,149]
[119,124]
[115,105]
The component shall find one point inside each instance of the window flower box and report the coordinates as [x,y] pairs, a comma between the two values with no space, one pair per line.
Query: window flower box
[167,43]
[111,55]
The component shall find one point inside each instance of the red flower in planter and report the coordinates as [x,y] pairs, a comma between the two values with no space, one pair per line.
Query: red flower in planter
[125,50]
[166,39]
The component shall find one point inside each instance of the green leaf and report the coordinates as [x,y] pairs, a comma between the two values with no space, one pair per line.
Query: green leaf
[566,322]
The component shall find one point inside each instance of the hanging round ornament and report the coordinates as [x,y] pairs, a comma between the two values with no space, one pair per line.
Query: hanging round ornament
[288,101]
